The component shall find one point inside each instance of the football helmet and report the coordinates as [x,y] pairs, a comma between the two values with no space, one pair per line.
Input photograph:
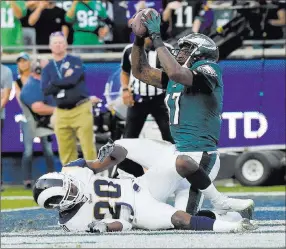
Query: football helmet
[195,47]
[58,190]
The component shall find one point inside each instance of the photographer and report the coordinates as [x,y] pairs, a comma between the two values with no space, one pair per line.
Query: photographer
[64,78]
[30,93]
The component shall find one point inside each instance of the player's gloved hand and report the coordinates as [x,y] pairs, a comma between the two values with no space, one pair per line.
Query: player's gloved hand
[152,24]
[79,162]
[97,227]
[106,150]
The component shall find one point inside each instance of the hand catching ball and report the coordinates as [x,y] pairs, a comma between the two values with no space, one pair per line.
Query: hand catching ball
[137,25]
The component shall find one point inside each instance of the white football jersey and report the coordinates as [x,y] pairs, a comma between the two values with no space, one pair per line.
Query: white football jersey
[105,196]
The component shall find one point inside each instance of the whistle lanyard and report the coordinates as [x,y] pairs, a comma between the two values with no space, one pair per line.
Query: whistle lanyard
[59,69]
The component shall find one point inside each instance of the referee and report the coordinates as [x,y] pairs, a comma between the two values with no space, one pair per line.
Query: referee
[142,99]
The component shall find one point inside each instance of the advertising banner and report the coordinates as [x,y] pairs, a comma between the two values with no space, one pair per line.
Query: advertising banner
[254,103]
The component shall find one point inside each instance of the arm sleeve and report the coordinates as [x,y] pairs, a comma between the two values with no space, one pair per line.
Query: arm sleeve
[125,61]
[71,81]
[45,78]
[205,78]
[164,80]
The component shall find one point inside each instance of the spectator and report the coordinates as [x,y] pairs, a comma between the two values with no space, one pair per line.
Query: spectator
[29,33]
[181,15]
[66,5]
[28,90]
[275,21]
[142,99]
[222,12]
[89,20]
[47,18]
[64,78]
[108,5]
[11,27]
[6,86]
[204,20]
[121,29]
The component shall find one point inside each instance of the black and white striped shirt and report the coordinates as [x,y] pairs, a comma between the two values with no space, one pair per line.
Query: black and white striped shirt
[136,85]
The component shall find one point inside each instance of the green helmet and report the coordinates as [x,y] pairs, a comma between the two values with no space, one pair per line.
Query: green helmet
[200,47]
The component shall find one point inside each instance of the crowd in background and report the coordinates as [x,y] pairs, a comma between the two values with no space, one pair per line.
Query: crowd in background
[89,22]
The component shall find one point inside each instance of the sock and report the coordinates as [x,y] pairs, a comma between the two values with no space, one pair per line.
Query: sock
[224,226]
[200,223]
[207,213]
[229,216]
[211,193]
[199,179]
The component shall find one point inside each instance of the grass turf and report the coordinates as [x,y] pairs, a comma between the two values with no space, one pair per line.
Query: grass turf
[12,204]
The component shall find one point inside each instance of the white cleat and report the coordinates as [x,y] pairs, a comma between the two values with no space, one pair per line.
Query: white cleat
[244,226]
[244,206]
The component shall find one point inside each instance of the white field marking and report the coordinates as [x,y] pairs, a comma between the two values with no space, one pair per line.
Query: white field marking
[270,222]
[258,222]
[270,209]
[60,232]
[18,209]
[17,198]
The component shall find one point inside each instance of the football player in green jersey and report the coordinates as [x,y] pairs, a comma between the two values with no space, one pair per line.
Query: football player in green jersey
[194,95]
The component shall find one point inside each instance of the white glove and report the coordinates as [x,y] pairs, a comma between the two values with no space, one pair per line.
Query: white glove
[106,150]
[97,227]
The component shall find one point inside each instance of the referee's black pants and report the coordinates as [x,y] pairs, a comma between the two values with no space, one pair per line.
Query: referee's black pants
[136,117]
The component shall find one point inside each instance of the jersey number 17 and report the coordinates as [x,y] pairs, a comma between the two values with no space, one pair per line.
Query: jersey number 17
[172,102]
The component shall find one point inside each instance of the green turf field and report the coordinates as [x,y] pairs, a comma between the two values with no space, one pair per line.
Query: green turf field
[18,191]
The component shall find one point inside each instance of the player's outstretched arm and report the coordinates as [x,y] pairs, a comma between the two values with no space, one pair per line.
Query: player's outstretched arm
[141,68]
[172,68]
[109,155]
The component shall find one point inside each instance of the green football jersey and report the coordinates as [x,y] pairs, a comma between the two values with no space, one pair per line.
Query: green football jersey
[195,112]
[86,21]
[11,27]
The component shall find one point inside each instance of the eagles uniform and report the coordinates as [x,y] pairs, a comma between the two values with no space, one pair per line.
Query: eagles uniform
[109,199]
[195,126]
[195,111]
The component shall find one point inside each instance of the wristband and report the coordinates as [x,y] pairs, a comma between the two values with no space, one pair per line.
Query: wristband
[125,89]
[157,40]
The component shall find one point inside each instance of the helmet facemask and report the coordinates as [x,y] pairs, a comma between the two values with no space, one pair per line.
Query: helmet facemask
[74,193]
[185,54]
[58,191]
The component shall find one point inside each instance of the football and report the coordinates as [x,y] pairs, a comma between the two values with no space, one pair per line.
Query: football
[137,26]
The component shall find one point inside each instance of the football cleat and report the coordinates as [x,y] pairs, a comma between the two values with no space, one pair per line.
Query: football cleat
[243,206]
[243,226]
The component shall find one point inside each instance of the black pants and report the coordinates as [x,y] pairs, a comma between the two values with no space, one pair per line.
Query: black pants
[137,114]
[136,117]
